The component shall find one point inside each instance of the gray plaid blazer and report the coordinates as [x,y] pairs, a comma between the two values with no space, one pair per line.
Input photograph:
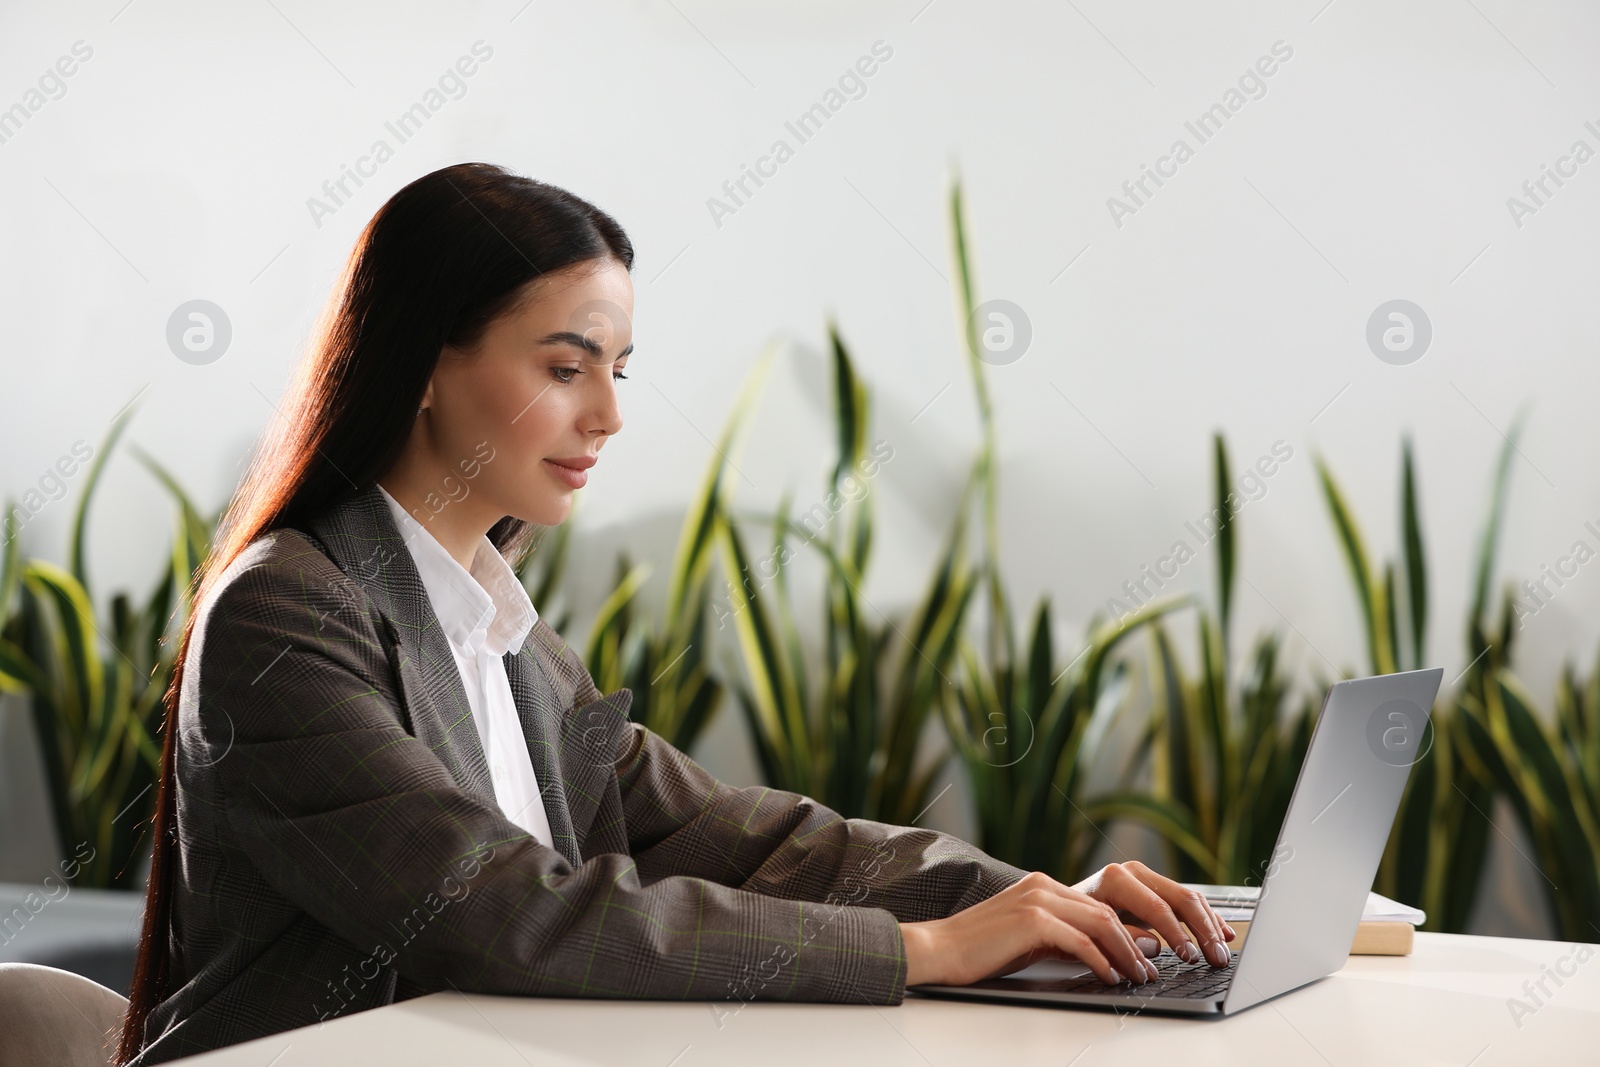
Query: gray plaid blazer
[339,846]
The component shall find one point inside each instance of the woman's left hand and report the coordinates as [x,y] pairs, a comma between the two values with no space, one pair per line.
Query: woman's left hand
[1166,907]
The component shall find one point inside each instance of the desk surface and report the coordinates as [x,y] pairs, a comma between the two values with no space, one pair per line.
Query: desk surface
[1450,1002]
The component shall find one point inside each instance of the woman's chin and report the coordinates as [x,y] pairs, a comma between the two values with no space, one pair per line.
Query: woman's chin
[552,510]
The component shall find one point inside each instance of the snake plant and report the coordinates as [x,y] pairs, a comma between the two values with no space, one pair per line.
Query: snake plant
[1435,853]
[850,738]
[667,663]
[95,685]
[1224,753]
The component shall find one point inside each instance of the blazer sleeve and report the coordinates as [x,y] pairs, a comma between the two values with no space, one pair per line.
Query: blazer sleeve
[682,820]
[357,823]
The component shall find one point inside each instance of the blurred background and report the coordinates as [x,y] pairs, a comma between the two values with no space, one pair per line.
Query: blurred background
[1142,369]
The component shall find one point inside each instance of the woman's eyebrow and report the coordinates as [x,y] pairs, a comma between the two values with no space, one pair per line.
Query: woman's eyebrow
[567,337]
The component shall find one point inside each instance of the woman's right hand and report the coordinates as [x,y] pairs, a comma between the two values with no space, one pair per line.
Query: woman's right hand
[1036,918]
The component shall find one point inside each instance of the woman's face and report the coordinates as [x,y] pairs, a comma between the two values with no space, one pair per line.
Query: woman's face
[541,387]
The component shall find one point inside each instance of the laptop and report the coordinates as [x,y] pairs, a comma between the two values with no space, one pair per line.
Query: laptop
[1368,734]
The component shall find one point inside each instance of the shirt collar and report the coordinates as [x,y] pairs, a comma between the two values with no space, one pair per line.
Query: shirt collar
[486,607]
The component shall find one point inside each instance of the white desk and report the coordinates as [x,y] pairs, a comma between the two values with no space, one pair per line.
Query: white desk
[1447,1003]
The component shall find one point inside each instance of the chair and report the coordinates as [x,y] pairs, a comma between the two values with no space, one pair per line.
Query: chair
[54,1018]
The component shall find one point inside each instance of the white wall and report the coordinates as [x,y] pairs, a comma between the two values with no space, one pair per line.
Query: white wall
[1376,165]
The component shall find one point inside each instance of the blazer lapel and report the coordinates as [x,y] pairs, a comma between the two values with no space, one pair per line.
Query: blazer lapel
[360,535]
[538,707]
[574,748]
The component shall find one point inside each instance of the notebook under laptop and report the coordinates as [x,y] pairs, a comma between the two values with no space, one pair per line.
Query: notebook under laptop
[1369,733]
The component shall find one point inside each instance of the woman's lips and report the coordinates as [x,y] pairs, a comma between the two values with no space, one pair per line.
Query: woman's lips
[572,476]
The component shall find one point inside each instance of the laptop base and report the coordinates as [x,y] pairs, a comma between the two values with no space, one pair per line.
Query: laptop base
[1184,988]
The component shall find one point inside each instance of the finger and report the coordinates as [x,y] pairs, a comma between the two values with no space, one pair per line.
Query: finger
[1227,931]
[1125,936]
[1100,917]
[1190,906]
[1128,889]
[1143,939]
[1100,922]
[1193,908]
[1074,941]
[1096,917]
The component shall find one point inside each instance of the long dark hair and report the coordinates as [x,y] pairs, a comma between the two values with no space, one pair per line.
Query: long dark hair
[440,261]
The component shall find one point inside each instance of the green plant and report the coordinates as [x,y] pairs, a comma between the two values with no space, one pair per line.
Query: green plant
[1002,647]
[851,741]
[1550,773]
[927,651]
[1028,733]
[96,695]
[667,664]
[1546,766]
[1224,755]
[1025,732]
[1435,853]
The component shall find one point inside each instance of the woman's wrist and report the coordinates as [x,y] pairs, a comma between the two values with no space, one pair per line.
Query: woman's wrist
[918,941]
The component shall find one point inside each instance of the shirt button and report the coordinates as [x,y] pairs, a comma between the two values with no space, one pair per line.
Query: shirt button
[499,771]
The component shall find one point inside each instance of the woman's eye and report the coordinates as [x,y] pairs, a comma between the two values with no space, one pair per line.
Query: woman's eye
[560,371]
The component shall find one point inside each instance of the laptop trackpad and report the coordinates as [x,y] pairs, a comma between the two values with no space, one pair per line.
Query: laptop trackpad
[1052,971]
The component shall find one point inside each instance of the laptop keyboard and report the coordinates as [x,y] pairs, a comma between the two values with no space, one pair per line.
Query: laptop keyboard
[1178,979]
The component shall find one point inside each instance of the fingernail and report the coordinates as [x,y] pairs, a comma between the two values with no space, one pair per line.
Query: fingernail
[1115,977]
[1231,931]
[1219,955]
[1189,951]
[1148,945]
[1150,969]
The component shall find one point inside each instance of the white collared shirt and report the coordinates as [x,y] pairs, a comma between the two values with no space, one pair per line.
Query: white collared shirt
[485,613]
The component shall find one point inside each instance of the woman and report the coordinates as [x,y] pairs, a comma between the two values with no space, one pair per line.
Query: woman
[383,775]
